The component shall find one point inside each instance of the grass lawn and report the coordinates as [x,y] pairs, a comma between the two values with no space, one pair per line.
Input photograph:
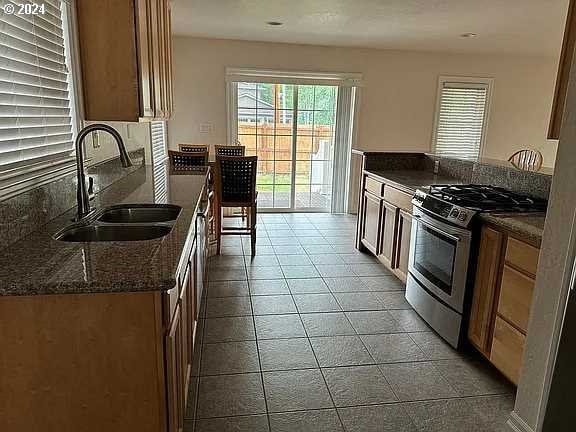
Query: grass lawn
[265,182]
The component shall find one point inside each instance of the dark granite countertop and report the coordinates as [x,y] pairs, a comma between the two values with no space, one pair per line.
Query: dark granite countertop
[38,264]
[528,227]
[410,180]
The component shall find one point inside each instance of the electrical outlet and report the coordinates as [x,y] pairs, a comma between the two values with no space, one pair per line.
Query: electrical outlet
[95,140]
[436,167]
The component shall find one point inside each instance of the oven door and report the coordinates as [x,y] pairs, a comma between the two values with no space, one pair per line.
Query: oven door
[439,257]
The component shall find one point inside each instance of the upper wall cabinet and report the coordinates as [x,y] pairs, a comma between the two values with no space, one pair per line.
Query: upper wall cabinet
[126,59]
[563,73]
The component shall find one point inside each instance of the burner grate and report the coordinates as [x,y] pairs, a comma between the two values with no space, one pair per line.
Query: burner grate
[487,198]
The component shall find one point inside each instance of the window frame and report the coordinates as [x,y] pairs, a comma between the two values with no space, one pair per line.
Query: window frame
[20,179]
[442,79]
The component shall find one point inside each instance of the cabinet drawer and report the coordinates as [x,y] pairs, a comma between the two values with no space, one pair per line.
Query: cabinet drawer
[374,186]
[507,349]
[522,256]
[398,198]
[515,297]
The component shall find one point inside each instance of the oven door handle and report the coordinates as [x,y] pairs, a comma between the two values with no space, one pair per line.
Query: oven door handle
[438,230]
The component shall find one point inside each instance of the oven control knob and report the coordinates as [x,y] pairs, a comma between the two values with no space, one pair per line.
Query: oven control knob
[463,216]
[454,213]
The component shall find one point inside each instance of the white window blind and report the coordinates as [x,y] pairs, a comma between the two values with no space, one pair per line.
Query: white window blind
[159,155]
[461,118]
[35,108]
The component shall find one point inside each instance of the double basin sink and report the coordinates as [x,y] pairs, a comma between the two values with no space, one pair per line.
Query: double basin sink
[131,222]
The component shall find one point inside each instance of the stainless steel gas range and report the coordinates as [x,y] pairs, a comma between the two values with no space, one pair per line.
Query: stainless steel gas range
[443,249]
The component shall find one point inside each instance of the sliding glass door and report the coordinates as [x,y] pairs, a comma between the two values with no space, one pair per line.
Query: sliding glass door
[291,129]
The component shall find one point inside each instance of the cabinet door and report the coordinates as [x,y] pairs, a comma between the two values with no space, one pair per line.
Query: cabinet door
[168,59]
[507,349]
[174,368]
[192,304]
[486,285]
[404,231]
[371,222]
[515,298]
[388,235]
[145,56]
[563,75]
[187,317]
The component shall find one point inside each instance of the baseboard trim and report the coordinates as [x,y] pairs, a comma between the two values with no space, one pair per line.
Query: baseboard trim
[517,424]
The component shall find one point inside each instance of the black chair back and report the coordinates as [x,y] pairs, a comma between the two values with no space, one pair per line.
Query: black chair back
[230,150]
[193,148]
[236,179]
[182,160]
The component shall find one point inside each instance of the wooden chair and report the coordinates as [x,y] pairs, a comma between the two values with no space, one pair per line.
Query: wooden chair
[186,161]
[235,186]
[236,150]
[224,150]
[193,148]
[528,160]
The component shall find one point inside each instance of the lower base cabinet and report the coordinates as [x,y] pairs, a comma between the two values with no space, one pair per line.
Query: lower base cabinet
[175,368]
[507,349]
[502,299]
[403,244]
[385,224]
[96,362]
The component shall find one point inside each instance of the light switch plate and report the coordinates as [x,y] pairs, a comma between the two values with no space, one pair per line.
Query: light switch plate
[205,127]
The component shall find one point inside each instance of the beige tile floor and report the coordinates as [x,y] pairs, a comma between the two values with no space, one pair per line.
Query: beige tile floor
[312,335]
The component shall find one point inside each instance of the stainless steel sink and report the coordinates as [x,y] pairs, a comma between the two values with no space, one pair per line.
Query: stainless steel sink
[107,233]
[141,213]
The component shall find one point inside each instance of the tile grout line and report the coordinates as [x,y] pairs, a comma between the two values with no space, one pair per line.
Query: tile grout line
[321,373]
[257,347]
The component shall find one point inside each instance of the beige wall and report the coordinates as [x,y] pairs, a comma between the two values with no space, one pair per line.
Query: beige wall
[398,97]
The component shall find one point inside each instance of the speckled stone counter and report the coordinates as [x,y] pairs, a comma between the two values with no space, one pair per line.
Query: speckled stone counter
[410,180]
[526,227]
[38,264]
[411,171]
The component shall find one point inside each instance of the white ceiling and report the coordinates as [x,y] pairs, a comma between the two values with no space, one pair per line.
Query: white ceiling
[503,26]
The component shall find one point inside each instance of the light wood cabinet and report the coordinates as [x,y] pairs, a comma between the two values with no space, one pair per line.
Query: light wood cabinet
[174,372]
[388,235]
[403,244]
[385,224]
[125,59]
[507,349]
[371,222]
[515,297]
[104,361]
[502,299]
[486,287]
[566,56]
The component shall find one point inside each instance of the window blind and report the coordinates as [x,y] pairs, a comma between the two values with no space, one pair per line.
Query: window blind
[461,119]
[35,112]
[159,155]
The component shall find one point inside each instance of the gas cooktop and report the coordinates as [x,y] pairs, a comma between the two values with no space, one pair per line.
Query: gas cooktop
[486,198]
[458,204]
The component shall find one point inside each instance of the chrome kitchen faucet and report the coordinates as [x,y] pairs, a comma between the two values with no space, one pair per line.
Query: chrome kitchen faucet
[82,197]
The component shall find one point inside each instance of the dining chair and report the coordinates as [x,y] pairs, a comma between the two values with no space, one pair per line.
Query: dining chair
[193,148]
[528,160]
[235,150]
[235,186]
[183,160]
[225,150]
